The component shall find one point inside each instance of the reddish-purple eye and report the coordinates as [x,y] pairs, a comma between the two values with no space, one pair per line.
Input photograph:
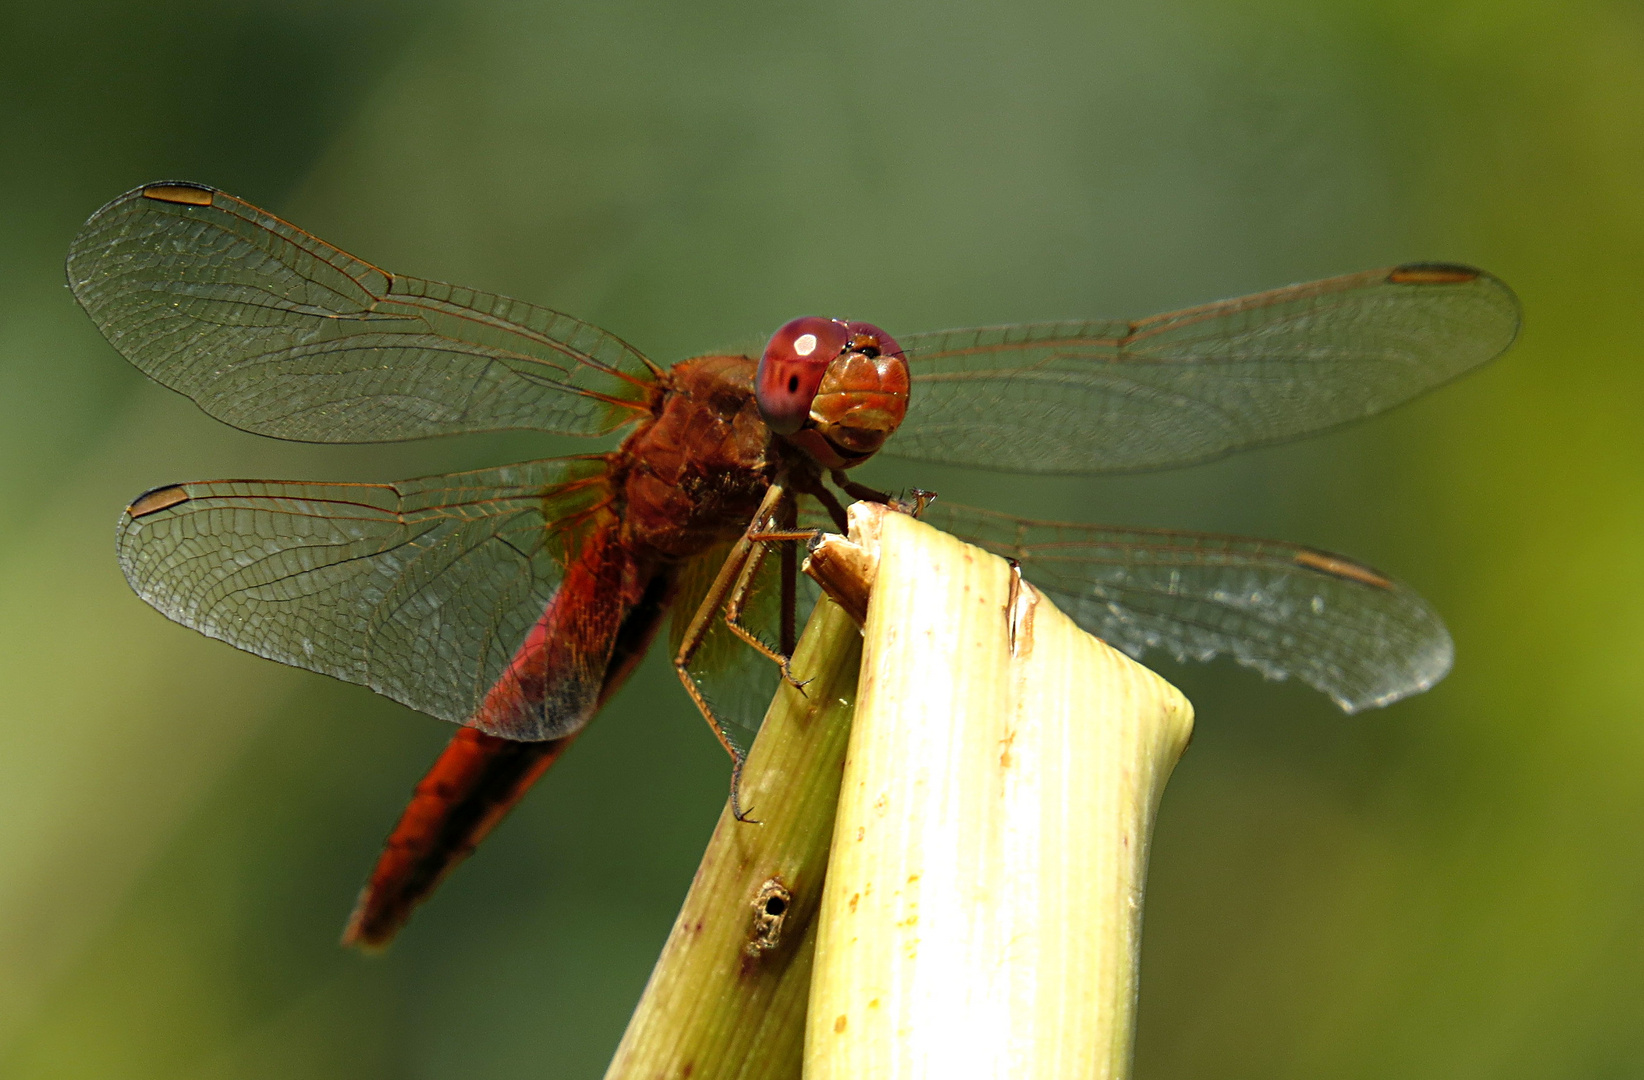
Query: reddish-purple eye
[793,365]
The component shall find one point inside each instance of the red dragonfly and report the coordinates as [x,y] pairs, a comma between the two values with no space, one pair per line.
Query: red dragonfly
[515,600]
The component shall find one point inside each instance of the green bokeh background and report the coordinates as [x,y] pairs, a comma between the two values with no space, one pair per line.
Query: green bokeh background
[1450,888]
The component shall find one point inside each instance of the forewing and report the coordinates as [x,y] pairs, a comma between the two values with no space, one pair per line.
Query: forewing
[421,590]
[277,332]
[1339,626]
[1087,397]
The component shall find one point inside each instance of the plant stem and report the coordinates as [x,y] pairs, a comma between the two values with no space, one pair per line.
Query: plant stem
[982,911]
[727,996]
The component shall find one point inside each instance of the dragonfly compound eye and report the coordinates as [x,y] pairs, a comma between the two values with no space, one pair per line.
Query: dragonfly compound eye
[792,368]
[860,400]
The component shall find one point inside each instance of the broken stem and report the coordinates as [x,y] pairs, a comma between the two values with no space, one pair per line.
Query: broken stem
[982,911]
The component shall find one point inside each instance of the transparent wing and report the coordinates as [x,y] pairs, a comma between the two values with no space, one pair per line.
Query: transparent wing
[1339,626]
[1086,397]
[421,590]
[277,332]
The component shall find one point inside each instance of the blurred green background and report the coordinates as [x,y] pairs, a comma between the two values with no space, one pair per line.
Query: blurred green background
[1450,888]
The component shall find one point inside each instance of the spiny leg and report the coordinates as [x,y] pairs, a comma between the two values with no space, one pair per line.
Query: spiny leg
[735,568]
[854,490]
[788,632]
[913,505]
[739,594]
[836,512]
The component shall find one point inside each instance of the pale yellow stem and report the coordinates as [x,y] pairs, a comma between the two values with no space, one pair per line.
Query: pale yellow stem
[982,911]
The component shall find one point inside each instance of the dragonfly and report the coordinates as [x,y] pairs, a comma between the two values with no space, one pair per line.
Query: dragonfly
[515,600]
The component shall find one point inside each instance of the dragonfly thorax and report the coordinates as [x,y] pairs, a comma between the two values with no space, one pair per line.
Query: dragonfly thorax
[694,475]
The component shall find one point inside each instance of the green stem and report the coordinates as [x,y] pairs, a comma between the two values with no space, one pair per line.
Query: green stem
[727,997]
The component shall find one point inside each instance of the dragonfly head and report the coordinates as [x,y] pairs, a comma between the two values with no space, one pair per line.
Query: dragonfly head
[835,389]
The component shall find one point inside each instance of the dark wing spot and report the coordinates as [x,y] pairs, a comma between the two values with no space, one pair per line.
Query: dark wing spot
[1432,274]
[191,194]
[162,498]
[1336,566]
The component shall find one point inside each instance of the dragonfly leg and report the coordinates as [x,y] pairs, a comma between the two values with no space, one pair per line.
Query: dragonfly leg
[788,632]
[733,570]
[836,512]
[856,491]
[739,593]
[913,503]
[916,501]
[737,757]
[695,635]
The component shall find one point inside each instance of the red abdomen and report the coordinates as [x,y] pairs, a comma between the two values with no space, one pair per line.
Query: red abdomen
[593,632]
[686,480]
